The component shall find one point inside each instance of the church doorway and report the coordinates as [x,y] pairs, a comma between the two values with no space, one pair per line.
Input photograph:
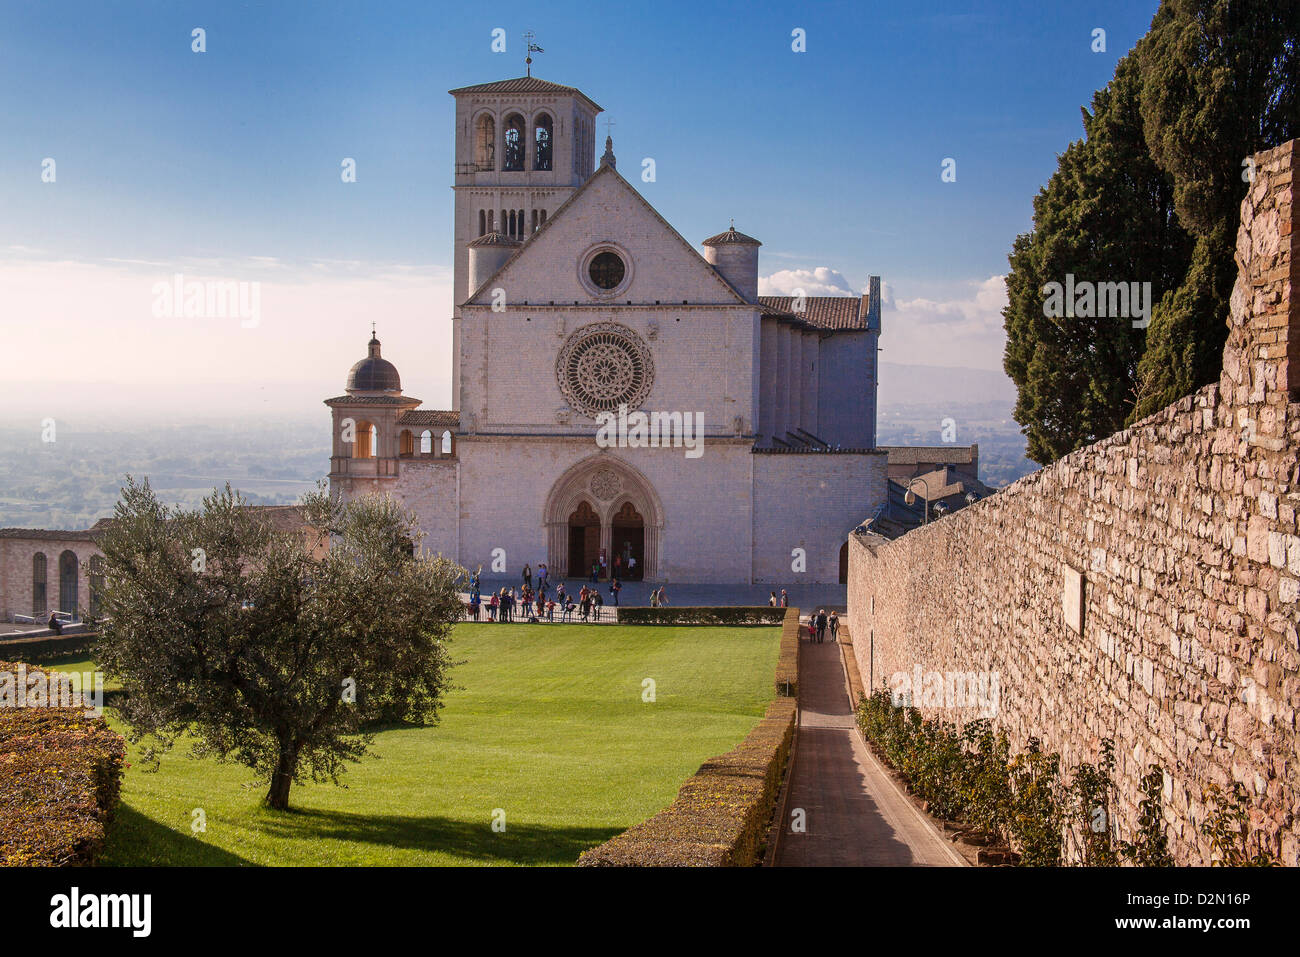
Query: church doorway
[584,540]
[629,541]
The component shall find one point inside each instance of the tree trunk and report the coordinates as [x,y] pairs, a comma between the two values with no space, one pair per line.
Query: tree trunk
[281,779]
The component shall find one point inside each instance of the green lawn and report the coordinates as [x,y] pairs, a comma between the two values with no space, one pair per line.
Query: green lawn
[547,724]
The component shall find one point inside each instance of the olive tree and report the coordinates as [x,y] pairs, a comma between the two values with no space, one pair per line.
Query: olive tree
[279,649]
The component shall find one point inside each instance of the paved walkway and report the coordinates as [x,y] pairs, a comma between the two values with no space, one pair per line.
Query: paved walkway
[855,815]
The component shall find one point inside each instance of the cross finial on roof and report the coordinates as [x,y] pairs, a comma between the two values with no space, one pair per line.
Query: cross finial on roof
[531,48]
[372,329]
[733,223]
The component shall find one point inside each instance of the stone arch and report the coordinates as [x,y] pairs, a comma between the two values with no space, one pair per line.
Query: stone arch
[515,136]
[485,142]
[69,570]
[543,134]
[40,593]
[609,484]
[406,443]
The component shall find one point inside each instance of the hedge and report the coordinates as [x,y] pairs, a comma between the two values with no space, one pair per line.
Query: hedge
[60,778]
[51,646]
[721,814]
[702,615]
[787,662]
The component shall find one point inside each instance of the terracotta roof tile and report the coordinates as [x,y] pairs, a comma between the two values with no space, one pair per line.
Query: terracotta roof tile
[527,84]
[824,312]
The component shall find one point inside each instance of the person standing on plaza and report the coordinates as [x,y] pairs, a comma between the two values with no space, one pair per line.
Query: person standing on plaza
[834,622]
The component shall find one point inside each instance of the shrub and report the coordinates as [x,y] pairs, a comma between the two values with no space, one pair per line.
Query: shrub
[60,777]
[1228,828]
[721,814]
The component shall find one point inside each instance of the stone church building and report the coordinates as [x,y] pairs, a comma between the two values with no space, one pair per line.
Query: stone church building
[577,304]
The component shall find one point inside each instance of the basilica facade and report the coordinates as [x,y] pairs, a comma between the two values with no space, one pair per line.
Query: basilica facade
[619,395]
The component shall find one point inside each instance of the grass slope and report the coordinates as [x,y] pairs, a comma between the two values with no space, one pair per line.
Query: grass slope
[547,724]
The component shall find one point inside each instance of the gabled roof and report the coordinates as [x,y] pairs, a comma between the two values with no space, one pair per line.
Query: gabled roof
[527,84]
[430,418]
[824,312]
[604,170]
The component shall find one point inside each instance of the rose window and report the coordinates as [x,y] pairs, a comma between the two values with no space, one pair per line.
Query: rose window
[603,366]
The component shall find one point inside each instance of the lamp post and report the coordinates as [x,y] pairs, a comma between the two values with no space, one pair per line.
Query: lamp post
[910,497]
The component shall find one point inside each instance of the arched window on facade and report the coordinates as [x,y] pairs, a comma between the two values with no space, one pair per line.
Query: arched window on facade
[68,582]
[407,443]
[40,592]
[543,217]
[482,222]
[492,213]
[426,442]
[485,142]
[514,143]
[366,442]
[446,442]
[96,583]
[534,220]
[512,223]
[542,128]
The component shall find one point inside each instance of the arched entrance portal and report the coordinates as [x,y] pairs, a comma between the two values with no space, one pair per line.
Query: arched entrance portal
[584,539]
[628,540]
[602,507]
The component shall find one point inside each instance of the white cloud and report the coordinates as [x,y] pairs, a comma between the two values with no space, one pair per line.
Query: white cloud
[821,281]
[964,330]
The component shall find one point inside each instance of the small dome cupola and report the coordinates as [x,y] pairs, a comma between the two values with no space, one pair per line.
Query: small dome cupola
[374,373]
[735,257]
[487,255]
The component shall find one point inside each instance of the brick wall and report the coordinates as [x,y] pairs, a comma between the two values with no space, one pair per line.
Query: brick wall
[1183,532]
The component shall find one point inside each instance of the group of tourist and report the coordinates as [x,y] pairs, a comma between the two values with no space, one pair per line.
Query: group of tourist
[820,623]
[782,602]
[534,604]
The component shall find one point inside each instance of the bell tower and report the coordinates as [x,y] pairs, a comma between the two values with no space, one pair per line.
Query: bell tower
[523,146]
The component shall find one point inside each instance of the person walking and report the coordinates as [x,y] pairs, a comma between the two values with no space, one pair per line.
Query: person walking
[654,598]
[597,603]
[494,604]
[821,625]
[771,602]
[834,622]
[663,595]
[614,589]
[528,576]
[785,599]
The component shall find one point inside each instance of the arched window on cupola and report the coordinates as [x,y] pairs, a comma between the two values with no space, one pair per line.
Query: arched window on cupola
[365,442]
[514,143]
[485,143]
[542,129]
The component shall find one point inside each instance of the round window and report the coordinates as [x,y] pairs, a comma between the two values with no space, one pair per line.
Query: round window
[603,366]
[606,270]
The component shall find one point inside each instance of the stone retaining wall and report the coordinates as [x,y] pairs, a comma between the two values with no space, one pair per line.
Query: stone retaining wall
[1144,588]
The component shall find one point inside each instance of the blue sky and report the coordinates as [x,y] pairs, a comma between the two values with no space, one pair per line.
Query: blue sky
[831,157]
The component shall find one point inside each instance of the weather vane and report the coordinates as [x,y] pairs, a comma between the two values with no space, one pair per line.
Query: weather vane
[529,37]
